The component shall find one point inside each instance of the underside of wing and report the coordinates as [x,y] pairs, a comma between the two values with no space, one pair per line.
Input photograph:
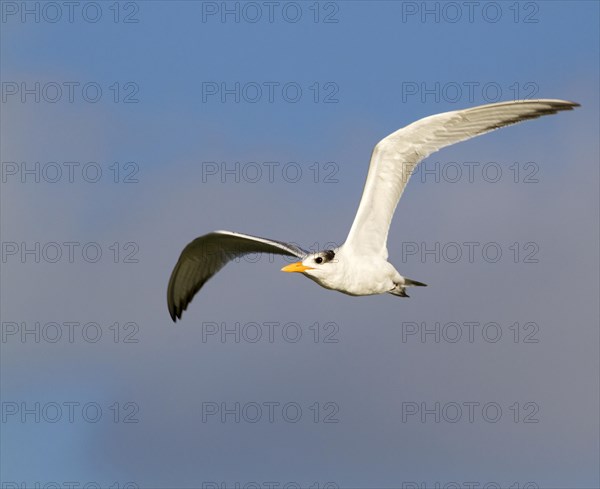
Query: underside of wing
[395,157]
[206,255]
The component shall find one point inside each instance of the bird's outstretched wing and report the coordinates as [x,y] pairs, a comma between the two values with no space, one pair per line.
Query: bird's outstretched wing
[206,255]
[395,157]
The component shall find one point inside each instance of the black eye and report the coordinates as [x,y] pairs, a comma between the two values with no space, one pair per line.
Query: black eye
[318,259]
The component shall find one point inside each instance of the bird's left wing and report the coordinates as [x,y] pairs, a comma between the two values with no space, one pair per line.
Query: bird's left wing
[395,157]
[206,255]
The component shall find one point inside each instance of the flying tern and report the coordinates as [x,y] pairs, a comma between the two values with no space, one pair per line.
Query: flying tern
[359,266]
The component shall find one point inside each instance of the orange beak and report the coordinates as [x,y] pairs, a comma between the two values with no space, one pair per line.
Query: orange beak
[296,267]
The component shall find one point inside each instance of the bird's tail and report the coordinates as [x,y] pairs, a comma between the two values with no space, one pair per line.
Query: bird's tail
[413,283]
[400,289]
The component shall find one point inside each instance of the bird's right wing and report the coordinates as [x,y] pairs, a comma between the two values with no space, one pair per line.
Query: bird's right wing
[395,157]
[206,255]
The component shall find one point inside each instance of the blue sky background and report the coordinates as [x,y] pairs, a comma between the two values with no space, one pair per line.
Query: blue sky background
[372,371]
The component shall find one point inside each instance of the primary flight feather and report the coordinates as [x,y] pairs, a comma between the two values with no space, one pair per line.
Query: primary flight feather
[359,266]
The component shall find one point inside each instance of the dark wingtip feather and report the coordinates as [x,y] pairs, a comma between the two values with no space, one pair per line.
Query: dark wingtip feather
[170,300]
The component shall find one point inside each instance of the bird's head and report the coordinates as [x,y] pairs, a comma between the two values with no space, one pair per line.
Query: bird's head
[315,265]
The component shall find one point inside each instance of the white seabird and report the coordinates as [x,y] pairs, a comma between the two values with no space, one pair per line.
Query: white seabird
[359,266]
